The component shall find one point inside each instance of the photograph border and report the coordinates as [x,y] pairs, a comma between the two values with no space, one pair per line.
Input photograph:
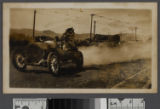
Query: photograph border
[109,5]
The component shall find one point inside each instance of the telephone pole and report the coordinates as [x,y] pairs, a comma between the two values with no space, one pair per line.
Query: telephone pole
[34,21]
[136,33]
[94,29]
[91,26]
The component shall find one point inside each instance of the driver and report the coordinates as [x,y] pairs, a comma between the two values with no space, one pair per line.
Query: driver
[68,39]
[68,43]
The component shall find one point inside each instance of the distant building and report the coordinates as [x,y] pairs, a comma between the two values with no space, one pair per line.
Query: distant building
[109,38]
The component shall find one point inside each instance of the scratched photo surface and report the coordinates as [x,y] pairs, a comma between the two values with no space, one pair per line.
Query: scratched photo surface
[84,48]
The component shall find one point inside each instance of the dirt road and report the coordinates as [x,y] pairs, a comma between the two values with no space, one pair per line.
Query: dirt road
[95,76]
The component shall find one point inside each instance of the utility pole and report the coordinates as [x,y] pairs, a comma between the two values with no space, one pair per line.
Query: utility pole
[136,33]
[34,21]
[94,29]
[91,26]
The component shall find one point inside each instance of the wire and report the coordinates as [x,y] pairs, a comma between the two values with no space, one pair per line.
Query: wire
[42,13]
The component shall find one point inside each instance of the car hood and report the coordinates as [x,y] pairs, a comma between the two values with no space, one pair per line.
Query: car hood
[46,44]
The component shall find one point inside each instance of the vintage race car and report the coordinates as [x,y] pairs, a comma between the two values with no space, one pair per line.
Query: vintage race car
[47,53]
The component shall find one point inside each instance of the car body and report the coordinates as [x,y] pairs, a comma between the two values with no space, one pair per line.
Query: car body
[46,53]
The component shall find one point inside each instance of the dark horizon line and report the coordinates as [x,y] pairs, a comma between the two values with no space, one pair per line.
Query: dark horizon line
[42,30]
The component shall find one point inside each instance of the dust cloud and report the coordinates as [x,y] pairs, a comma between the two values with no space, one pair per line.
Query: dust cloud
[126,52]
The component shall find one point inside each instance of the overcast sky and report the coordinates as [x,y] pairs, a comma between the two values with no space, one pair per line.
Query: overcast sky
[110,21]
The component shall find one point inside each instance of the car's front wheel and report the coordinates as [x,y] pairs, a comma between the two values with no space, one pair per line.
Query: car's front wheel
[19,60]
[54,65]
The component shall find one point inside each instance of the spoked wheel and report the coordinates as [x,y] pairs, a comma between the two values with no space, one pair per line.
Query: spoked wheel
[54,65]
[19,61]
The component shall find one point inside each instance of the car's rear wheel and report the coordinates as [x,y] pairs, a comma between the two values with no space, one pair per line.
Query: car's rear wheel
[19,60]
[54,65]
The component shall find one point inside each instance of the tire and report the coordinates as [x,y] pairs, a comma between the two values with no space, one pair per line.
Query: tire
[54,65]
[79,61]
[19,60]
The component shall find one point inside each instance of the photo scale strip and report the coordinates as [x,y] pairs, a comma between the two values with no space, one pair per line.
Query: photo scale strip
[76,103]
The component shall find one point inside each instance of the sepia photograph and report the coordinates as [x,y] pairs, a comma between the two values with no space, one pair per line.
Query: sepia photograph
[78,103]
[80,48]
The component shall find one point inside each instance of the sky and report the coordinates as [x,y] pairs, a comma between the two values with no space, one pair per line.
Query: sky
[108,21]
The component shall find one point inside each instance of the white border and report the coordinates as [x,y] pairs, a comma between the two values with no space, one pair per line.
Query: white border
[127,5]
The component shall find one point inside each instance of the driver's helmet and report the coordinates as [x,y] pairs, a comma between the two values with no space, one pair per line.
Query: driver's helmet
[69,33]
